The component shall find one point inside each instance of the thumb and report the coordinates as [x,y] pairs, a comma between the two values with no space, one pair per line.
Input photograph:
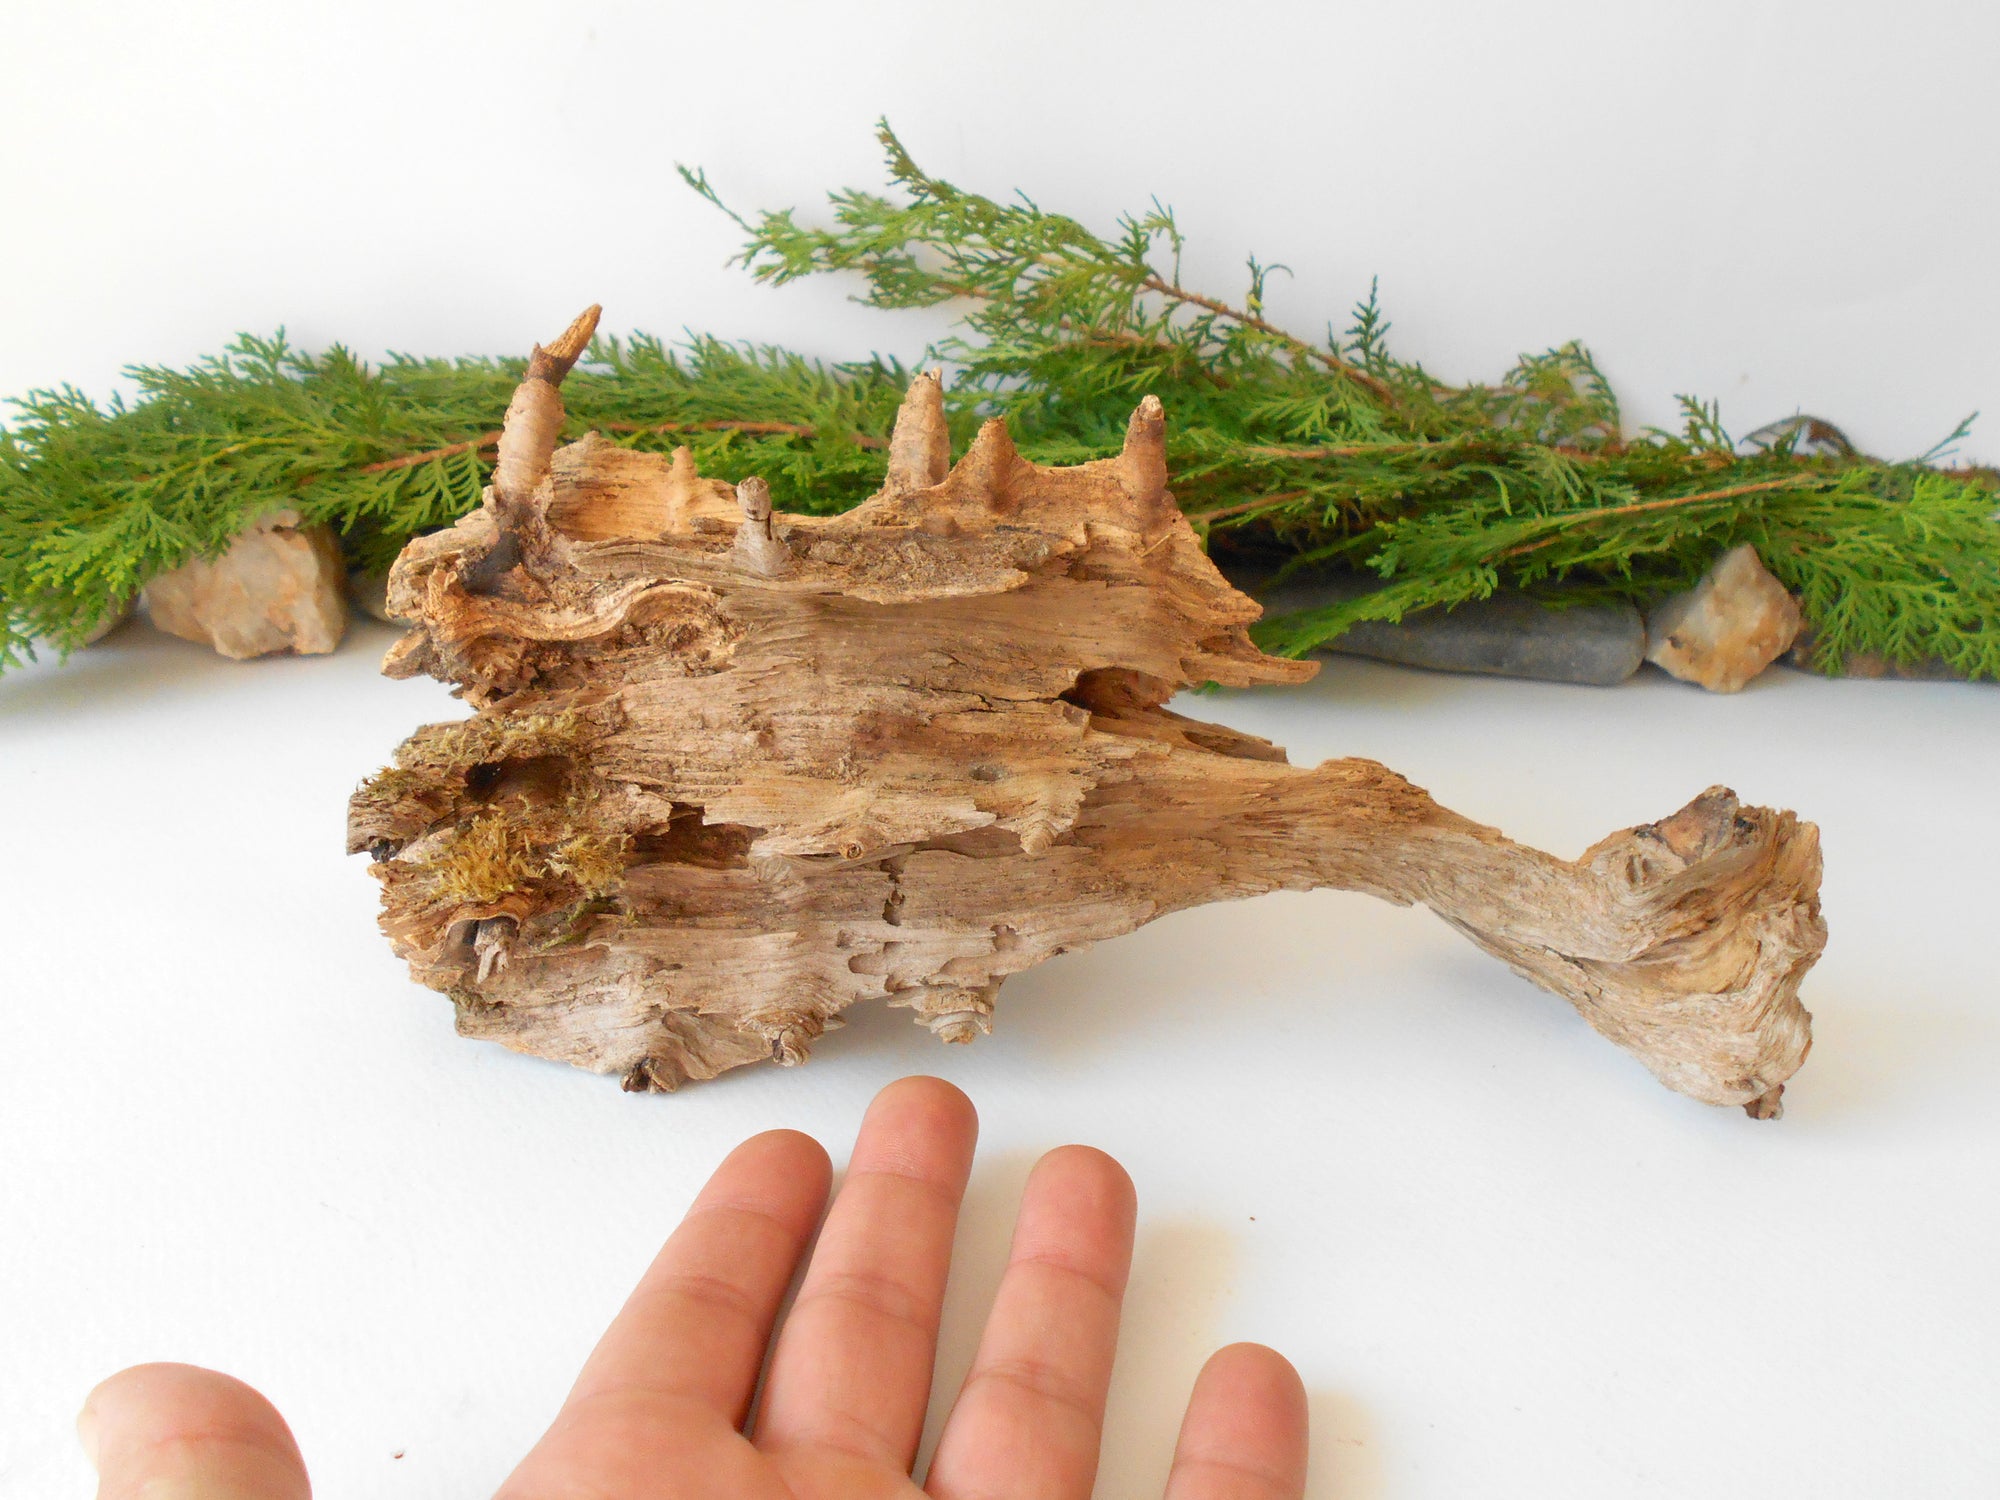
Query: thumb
[175,1432]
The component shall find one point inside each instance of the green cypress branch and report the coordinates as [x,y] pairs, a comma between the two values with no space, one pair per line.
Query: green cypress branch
[1347,454]
[1331,452]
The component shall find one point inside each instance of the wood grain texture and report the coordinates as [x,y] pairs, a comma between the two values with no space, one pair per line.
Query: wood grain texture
[733,770]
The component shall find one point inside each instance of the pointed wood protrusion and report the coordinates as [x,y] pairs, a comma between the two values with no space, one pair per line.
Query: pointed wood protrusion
[688,495]
[555,361]
[535,418]
[920,446]
[755,497]
[1142,466]
[989,467]
[682,490]
[757,544]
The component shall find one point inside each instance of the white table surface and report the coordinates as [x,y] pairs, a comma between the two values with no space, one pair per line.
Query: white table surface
[1506,1262]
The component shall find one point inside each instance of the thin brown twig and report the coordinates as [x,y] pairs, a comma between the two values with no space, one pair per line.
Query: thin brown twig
[766,429]
[1285,497]
[1176,293]
[1333,362]
[450,450]
[1439,445]
[489,439]
[1348,450]
[1282,498]
[1667,502]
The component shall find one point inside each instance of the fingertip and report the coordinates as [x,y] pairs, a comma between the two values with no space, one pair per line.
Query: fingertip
[792,1150]
[1087,1169]
[1245,1433]
[86,1429]
[1079,1211]
[920,1127]
[195,1397]
[785,1173]
[1259,1372]
[155,1425]
[944,1104]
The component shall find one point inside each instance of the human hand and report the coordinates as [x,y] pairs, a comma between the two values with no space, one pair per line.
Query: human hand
[660,1410]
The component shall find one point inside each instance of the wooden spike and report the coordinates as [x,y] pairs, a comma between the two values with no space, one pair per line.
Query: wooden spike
[920,446]
[1143,463]
[759,547]
[534,421]
[986,472]
[682,489]
[555,361]
[755,497]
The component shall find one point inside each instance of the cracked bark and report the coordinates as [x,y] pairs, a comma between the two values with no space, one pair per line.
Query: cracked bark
[733,770]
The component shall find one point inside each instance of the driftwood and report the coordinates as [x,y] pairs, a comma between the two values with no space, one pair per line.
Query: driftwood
[734,770]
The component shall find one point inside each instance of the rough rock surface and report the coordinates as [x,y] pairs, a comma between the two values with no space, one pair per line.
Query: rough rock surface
[1727,628]
[280,587]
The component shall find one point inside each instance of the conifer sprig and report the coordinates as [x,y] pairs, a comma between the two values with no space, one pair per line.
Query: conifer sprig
[1341,453]
[96,499]
[1332,451]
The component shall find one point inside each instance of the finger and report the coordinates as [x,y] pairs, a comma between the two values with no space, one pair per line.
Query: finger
[694,1330]
[161,1432]
[852,1370]
[1031,1414]
[1244,1436]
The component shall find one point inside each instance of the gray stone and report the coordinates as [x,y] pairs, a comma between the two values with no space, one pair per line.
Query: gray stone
[1509,635]
[119,612]
[369,593]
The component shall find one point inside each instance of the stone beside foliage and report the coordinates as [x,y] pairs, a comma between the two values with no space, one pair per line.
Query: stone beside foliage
[281,586]
[1721,634]
[1727,628]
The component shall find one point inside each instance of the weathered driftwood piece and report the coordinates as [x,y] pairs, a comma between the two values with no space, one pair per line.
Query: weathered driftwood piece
[734,770]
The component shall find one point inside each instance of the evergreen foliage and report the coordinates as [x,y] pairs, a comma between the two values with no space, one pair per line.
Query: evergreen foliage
[1338,452]
[96,499]
[1332,452]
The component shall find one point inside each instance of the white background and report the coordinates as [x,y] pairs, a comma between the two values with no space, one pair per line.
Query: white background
[1505,1261]
[1782,205]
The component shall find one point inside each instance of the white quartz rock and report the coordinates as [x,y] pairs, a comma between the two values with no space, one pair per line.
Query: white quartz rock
[281,586]
[1727,628]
